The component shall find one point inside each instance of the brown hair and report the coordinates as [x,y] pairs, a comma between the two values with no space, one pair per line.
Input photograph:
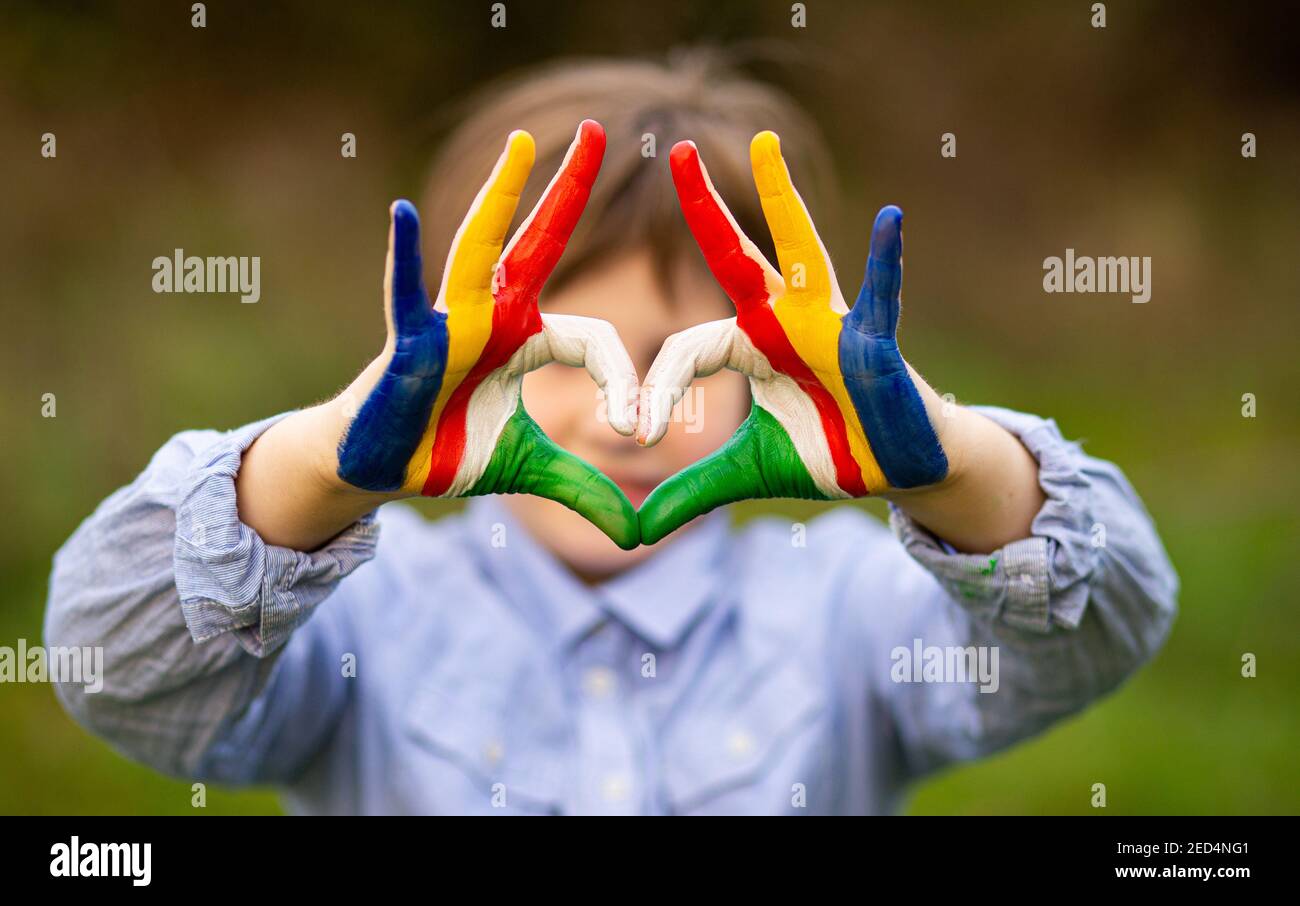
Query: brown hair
[693,94]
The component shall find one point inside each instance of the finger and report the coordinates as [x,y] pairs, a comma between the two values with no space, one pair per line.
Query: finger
[696,352]
[477,246]
[722,477]
[799,249]
[536,247]
[745,275]
[405,300]
[876,309]
[759,461]
[526,461]
[558,475]
[595,345]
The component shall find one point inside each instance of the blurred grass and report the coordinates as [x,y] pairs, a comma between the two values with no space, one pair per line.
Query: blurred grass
[1123,142]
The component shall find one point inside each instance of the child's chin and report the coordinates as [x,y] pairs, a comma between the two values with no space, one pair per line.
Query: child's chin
[573,540]
[637,495]
[595,556]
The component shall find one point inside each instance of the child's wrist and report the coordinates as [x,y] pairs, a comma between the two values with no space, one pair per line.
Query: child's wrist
[951,425]
[328,425]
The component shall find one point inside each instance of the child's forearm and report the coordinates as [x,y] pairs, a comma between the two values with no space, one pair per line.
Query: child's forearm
[188,614]
[991,493]
[288,489]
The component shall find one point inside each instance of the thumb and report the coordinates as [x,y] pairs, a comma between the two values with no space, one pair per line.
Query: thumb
[526,461]
[759,461]
[404,296]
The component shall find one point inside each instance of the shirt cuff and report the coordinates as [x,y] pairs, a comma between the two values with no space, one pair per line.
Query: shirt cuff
[228,578]
[1036,582]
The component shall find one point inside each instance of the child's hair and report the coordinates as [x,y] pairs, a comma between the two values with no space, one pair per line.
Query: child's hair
[693,94]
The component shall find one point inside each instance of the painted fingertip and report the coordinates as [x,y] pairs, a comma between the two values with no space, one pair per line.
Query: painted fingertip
[406,227]
[620,411]
[683,152]
[651,525]
[890,214]
[520,144]
[643,432]
[887,233]
[766,145]
[631,538]
[587,148]
[687,168]
[627,424]
[401,209]
[590,130]
[623,426]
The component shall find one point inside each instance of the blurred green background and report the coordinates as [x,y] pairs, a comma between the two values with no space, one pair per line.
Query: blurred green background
[1123,140]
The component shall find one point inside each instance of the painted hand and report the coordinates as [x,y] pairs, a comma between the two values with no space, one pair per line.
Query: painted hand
[836,412]
[444,417]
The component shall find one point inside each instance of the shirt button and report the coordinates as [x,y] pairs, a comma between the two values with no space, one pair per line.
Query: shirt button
[493,752]
[599,682]
[614,788]
[740,744]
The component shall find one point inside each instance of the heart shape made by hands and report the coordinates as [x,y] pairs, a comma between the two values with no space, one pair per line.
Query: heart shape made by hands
[835,414]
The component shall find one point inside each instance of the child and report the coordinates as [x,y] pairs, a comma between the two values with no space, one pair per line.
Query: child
[526,657]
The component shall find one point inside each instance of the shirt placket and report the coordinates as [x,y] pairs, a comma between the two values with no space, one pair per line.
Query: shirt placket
[611,783]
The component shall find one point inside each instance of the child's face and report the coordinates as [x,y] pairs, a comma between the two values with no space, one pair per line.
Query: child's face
[565,403]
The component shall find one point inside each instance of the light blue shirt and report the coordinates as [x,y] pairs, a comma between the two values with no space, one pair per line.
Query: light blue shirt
[774,668]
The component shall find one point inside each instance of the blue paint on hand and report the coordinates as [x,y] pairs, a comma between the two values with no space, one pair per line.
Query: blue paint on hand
[382,439]
[887,402]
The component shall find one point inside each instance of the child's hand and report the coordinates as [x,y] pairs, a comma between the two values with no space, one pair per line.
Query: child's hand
[441,413]
[836,412]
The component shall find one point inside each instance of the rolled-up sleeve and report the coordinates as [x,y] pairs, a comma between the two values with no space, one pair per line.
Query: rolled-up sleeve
[228,579]
[1092,528]
[1073,609]
[190,606]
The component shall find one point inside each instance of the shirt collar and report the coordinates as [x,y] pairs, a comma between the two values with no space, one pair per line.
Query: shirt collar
[547,595]
[658,599]
[661,598]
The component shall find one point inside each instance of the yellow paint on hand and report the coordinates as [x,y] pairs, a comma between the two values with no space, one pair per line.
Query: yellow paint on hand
[805,312]
[467,282]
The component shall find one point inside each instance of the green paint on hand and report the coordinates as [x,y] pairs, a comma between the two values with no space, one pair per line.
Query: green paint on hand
[759,461]
[526,461]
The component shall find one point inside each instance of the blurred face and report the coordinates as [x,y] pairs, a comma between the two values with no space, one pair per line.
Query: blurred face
[565,403]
